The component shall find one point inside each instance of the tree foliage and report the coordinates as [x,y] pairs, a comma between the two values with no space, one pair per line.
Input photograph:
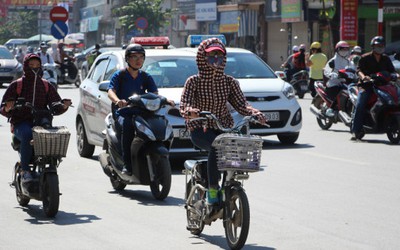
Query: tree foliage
[22,24]
[149,9]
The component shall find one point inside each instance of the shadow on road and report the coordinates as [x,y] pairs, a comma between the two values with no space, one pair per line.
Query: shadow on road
[146,198]
[269,144]
[62,218]
[220,241]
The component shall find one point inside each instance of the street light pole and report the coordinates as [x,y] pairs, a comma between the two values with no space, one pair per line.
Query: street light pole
[380,18]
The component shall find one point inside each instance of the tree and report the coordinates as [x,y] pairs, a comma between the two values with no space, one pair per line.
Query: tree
[22,24]
[149,9]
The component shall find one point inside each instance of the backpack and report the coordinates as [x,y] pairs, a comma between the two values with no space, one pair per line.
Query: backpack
[19,86]
[120,78]
[298,61]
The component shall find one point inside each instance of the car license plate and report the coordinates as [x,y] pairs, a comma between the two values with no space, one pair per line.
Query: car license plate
[272,116]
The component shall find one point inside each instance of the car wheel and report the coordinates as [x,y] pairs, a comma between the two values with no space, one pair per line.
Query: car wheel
[84,148]
[288,139]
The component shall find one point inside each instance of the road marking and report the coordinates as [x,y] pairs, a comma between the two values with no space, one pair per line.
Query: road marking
[337,159]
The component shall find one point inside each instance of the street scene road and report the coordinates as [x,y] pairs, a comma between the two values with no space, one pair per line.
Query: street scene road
[324,192]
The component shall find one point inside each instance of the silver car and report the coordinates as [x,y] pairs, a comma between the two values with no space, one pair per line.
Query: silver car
[10,68]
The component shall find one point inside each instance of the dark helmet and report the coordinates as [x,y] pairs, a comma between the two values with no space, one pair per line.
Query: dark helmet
[378,40]
[43,45]
[134,48]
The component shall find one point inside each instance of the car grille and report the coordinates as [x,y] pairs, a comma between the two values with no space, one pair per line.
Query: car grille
[284,117]
[178,143]
[174,112]
[6,79]
[262,98]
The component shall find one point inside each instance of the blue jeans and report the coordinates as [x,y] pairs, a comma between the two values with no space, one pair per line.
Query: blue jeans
[203,140]
[127,133]
[362,100]
[23,132]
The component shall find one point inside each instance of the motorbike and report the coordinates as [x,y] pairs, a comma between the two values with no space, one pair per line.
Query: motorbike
[149,148]
[50,145]
[50,73]
[343,106]
[383,108]
[299,82]
[70,75]
[238,154]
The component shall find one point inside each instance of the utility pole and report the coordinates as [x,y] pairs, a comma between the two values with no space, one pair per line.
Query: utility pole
[380,18]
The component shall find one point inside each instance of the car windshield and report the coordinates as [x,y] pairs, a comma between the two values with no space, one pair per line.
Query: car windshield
[247,65]
[170,72]
[5,54]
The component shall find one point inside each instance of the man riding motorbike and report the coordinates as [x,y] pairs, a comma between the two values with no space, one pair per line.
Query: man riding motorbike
[123,84]
[44,56]
[339,61]
[370,63]
[35,91]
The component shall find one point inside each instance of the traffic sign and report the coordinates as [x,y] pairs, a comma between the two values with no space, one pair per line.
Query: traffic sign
[59,29]
[58,13]
[141,23]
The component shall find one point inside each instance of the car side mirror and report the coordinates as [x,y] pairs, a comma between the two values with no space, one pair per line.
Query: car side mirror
[104,86]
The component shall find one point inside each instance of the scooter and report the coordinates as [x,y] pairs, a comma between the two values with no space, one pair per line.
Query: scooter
[299,82]
[342,107]
[149,148]
[50,73]
[69,76]
[50,144]
[383,108]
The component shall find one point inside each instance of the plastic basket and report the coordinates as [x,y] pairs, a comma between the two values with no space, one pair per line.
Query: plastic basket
[238,152]
[50,142]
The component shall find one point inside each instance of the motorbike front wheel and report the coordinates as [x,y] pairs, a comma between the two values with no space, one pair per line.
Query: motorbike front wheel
[324,123]
[194,210]
[21,198]
[50,194]
[162,183]
[237,218]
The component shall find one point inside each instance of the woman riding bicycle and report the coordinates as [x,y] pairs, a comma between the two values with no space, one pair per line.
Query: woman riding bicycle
[211,90]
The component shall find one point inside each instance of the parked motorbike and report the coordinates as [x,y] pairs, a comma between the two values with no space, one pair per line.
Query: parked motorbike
[343,106]
[149,148]
[237,155]
[50,145]
[70,75]
[383,108]
[50,73]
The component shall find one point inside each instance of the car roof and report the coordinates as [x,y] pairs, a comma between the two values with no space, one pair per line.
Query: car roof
[228,49]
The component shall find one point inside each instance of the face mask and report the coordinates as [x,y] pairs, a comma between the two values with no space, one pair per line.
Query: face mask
[379,50]
[215,61]
[343,53]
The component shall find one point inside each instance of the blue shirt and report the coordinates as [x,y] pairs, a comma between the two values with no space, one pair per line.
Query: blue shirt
[144,83]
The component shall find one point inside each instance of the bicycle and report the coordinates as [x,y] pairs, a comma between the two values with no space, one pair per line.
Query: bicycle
[238,154]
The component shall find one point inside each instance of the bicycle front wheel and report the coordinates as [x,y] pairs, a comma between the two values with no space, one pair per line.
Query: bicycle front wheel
[237,218]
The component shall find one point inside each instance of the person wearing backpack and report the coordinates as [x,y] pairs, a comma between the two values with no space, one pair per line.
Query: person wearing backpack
[41,95]
[123,84]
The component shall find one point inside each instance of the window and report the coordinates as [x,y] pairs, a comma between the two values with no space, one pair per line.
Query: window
[111,68]
[98,71]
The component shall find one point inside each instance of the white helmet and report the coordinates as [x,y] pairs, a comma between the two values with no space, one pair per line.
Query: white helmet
[295,48]
[357,49]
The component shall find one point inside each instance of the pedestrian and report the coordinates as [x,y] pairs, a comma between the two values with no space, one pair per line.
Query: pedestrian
[316,62]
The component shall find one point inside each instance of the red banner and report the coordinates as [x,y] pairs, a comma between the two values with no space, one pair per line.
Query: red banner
[349,21]
[29,2]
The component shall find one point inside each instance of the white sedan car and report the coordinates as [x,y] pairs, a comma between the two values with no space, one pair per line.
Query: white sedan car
[170,68]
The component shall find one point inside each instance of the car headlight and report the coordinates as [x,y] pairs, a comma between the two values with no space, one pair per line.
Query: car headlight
[145,130]
[288,91]
[152,105]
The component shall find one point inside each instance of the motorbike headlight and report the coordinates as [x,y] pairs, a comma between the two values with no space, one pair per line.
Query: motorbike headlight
[288,91]
[145,130]
[152,105]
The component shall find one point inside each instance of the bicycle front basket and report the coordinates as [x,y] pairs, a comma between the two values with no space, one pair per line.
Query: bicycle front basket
[50,142]
[238,152]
